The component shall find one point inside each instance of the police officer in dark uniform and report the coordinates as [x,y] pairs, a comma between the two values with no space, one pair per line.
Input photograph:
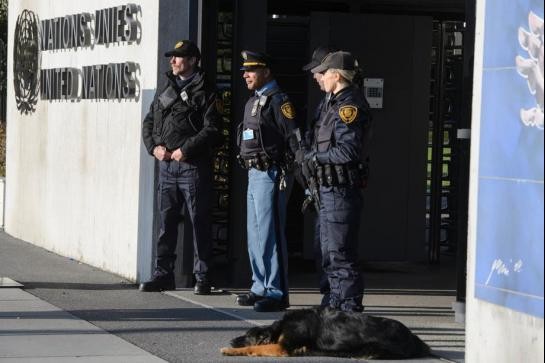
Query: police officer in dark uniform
[335,161]
[181,127]
[265,138]
[318,56]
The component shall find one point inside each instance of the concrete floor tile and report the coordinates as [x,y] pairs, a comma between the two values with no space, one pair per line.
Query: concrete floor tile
[6,282]
[32,326]
[69,345]
[11,308]
[100,359]
[15,294]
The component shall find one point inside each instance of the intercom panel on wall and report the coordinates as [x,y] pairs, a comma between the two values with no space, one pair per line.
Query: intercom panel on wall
[373,88]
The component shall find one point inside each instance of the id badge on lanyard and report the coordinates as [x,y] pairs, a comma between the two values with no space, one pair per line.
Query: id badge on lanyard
[248,134]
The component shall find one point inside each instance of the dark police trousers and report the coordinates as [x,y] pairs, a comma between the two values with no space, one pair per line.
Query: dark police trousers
[190,183]
[339,226]
[319,260]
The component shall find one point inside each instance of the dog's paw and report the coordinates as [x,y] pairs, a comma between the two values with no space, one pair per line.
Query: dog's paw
[239,342]
[228,351]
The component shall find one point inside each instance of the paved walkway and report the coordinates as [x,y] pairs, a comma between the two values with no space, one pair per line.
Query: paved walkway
[32,330]
[69,311]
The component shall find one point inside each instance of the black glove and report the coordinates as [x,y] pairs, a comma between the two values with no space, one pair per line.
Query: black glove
[307,166]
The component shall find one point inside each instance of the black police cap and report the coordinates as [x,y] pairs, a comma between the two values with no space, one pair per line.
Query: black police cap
[184,48]
[318,56]
[251,59]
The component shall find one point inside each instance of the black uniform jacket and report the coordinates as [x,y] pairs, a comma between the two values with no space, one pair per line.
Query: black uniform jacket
[185,118]
[343,129]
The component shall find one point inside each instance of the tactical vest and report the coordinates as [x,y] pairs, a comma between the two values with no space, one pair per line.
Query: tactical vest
[258,133]
[324,129]
[178,118]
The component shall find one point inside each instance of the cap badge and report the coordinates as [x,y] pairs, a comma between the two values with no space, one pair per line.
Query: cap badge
[178,45]
[348,113]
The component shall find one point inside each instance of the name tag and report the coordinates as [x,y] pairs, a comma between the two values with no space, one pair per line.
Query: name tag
[248,134]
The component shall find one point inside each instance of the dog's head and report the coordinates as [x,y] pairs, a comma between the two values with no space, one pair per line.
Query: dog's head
[256,336]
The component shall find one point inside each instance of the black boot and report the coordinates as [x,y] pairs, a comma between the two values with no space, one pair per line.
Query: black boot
[202,287]
[162,280]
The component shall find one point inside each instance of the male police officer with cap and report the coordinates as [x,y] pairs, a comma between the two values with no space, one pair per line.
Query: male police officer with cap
[264,138]
[317,57]
[179,131]
[335,160]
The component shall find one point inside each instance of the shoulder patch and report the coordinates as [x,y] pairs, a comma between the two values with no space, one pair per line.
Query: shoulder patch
[348,113]
[288,110]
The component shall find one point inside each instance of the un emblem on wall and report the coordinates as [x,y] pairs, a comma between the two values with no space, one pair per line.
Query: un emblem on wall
[26,61]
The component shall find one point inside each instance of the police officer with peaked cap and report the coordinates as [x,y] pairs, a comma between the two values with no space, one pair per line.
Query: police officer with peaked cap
[265,139]
[335,160]
[318,56]
[181,127]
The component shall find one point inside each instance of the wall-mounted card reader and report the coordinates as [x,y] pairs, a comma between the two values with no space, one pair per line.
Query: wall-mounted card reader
[373,88]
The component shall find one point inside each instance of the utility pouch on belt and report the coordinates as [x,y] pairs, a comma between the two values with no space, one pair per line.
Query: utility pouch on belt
[341,175]
[328,175]
[240,161]
[354,177]
[331,175]
[261,162]
[320,174]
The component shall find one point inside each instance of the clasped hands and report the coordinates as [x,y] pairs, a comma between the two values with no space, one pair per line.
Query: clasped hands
[161,153]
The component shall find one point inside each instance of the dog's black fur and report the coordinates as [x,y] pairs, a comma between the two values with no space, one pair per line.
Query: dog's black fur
[329,332]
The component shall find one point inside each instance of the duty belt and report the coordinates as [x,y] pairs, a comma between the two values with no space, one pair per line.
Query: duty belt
[341,174]
[260,162]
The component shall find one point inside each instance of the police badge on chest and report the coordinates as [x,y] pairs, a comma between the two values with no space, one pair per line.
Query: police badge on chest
[260,102]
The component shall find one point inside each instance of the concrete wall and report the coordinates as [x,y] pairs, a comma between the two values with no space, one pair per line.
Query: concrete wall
[78,180]
[505,244]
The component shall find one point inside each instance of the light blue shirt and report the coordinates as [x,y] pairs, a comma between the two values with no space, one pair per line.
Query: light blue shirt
[270,85]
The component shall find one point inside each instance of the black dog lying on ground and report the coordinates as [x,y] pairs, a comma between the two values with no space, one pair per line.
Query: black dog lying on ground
[327,332]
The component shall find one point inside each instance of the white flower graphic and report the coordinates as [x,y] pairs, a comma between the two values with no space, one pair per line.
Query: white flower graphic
[531,68]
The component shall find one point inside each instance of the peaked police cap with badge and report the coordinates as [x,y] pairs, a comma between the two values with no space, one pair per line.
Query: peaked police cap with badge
[251,59]
[184,48]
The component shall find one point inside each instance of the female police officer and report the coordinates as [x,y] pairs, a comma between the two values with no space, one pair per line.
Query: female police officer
[335,162]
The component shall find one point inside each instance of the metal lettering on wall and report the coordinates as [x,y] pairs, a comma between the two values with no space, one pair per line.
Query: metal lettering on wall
[72,32]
